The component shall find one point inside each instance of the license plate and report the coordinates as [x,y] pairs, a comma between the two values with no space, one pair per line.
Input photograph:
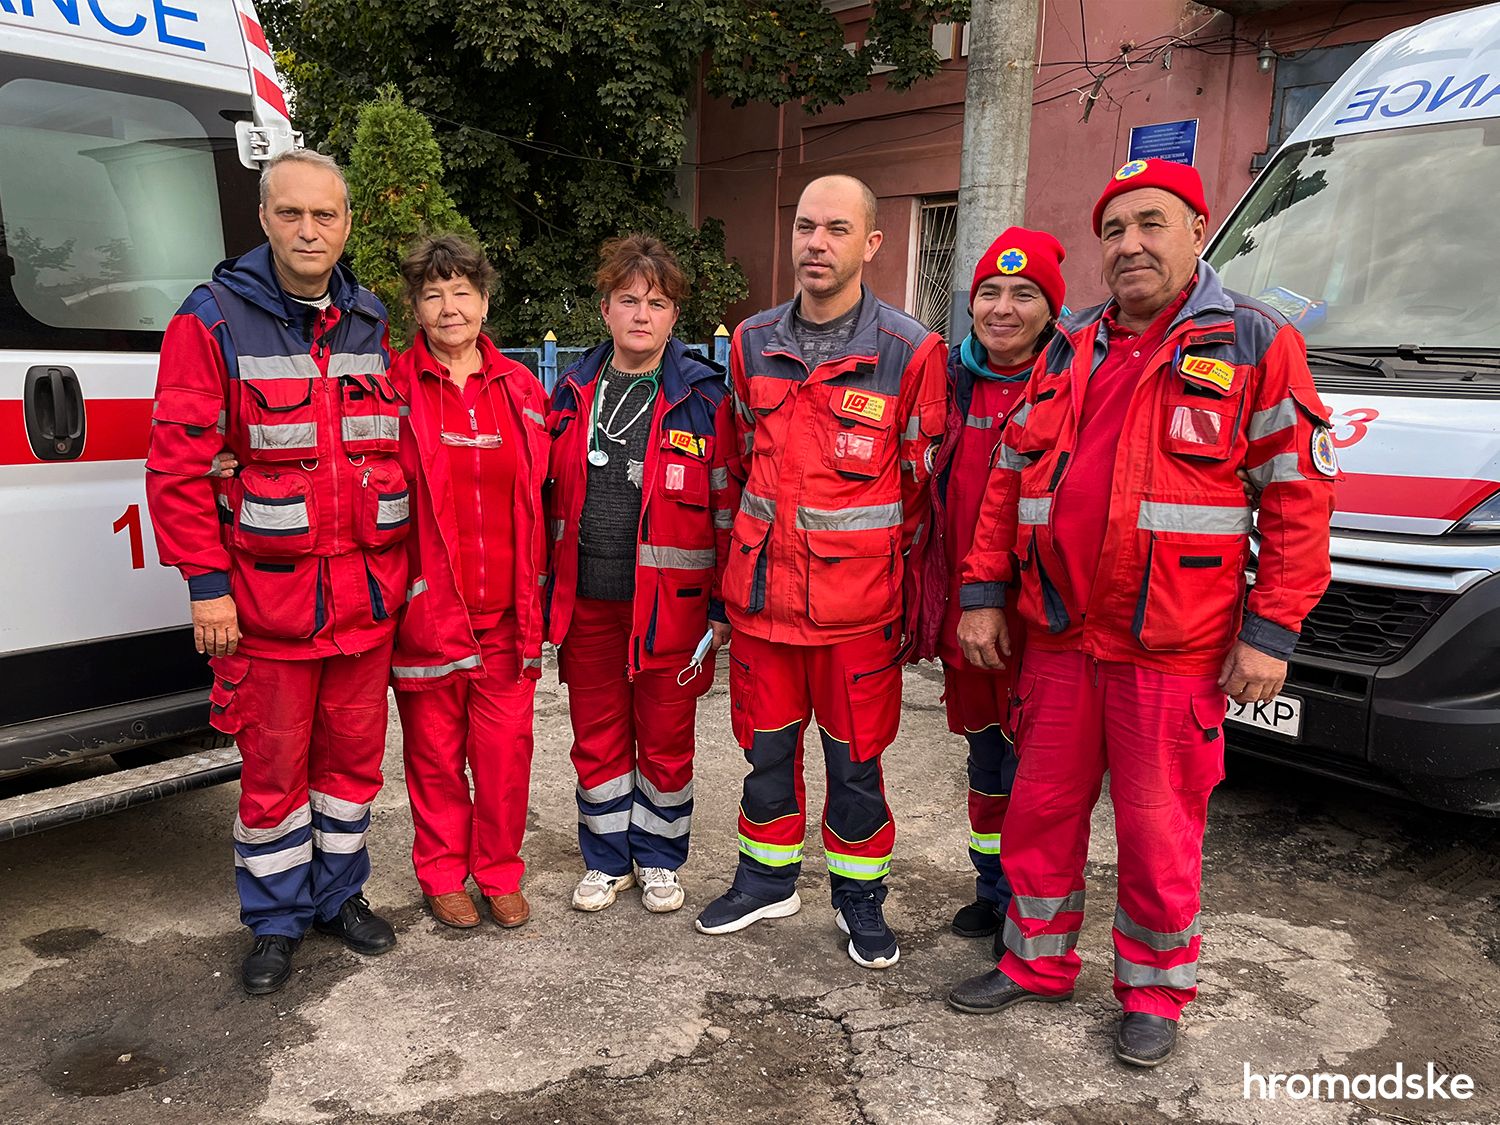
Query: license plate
[1282,715]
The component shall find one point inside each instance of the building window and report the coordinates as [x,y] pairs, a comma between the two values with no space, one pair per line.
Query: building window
[937,241]
[1302,79]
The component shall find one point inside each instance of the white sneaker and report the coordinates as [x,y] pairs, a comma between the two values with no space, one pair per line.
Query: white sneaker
[596,890]
[661,893]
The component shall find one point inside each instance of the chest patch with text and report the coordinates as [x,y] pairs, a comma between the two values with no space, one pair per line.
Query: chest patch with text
[1207,372]
[863,404]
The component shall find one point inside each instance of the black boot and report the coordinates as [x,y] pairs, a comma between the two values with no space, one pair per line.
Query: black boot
[268,964]
[994,992]
[359,927]
[978,919]
[1144,1039]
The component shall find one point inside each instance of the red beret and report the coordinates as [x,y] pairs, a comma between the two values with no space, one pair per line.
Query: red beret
[1032,254]
[1182,180]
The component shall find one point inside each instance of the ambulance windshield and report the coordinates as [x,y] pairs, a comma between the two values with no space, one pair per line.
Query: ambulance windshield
[1375,240]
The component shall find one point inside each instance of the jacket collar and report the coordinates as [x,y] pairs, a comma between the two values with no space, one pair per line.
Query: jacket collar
[490,356]
[681,368]
[252,276]
[864,342]
[1208,297]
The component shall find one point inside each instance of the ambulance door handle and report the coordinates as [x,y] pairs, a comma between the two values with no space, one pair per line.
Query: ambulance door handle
[55,419]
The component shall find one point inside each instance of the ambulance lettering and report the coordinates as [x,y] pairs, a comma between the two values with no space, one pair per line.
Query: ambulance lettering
[1351,426]
[1420,96]
[127,23]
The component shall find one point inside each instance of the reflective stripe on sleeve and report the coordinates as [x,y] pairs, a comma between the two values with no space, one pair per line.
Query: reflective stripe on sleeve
[863,518]
[1273,419]
[718,477]
[1198,519]
[1020,416]
[1008,458]
[1279,469]
[533,415]
[724,517]
[417,587]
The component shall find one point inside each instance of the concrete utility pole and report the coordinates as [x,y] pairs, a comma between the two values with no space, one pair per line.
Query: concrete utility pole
[997,137]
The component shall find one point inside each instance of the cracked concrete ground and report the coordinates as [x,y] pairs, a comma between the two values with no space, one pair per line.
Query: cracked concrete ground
[1344,933]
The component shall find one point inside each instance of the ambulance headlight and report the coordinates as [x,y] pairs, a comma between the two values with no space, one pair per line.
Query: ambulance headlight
[1483,520]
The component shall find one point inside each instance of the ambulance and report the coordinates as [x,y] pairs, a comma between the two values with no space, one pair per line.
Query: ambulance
[1375,230]
[129,135]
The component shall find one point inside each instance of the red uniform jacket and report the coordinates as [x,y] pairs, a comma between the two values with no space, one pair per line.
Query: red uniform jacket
[434,642]
[1228,389]
[687,503]
[836,462]
[306,537]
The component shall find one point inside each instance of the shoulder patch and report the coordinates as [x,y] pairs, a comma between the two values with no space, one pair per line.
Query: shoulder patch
[1324,459]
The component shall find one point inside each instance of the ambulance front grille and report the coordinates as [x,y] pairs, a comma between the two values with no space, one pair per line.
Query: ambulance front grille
[1368,624]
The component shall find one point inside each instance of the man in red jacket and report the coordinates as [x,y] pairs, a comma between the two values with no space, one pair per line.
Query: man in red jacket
[839,402]
[1118,492]
[295,566]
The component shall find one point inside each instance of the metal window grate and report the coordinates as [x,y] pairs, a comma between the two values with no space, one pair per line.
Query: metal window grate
[936,250]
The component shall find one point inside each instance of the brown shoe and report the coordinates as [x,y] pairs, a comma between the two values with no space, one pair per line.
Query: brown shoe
[510,910]
[455,909]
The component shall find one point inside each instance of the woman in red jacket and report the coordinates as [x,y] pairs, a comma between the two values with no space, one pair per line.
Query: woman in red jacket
[468,644]
[1015,298]
[639,506]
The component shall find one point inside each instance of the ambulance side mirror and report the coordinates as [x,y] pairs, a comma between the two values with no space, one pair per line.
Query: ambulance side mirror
[257,144]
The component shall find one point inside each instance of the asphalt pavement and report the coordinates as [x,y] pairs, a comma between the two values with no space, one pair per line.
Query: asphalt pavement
[1345,933]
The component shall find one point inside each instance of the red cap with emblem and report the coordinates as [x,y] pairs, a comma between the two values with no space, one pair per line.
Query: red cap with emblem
[1032,254]
[1182,180]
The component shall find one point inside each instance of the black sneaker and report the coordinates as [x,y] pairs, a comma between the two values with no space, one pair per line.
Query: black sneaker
[871,942]
[359,927]
[268,964]
[1144,1039]
[979,919]
[734,910]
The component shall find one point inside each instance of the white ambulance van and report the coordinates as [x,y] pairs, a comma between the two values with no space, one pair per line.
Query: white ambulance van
[1376,230]
[128,134]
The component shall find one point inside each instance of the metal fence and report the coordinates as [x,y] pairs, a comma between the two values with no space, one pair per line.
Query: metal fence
[549,359]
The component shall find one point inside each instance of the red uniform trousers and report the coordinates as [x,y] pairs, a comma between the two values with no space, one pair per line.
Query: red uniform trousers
[979,709]
[312,736]
[854,689]
[484,723]
[633,743]
[1160,736]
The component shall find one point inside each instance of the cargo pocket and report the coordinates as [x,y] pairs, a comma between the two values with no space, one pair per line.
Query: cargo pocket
[851,576]
[744,578]
[1198,760]
[277,598]
[229,672]
[874,710]
[1199,422]
[198,419]
[766,396]
[385,574]
[1193,591]
[275,516]
[280,420]
[370,421]
[741,684]
[384,505]
[857,433]
[679,617]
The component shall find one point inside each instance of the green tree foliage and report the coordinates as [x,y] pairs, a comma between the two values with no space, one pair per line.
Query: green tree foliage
[395,174]
[563,123]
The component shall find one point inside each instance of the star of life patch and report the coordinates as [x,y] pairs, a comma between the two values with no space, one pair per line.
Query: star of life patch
[1324,459]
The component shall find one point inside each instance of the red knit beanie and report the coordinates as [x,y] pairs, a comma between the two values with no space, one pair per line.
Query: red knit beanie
[1032,254]
[1182,180]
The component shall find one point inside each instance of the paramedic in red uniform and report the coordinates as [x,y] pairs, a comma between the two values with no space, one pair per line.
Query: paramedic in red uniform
[469,642]
[1119,498]
[1015,299]
[639,502]
[840,408]
[295,565]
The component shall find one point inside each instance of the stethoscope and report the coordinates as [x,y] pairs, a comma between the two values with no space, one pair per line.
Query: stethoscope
[651,379]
